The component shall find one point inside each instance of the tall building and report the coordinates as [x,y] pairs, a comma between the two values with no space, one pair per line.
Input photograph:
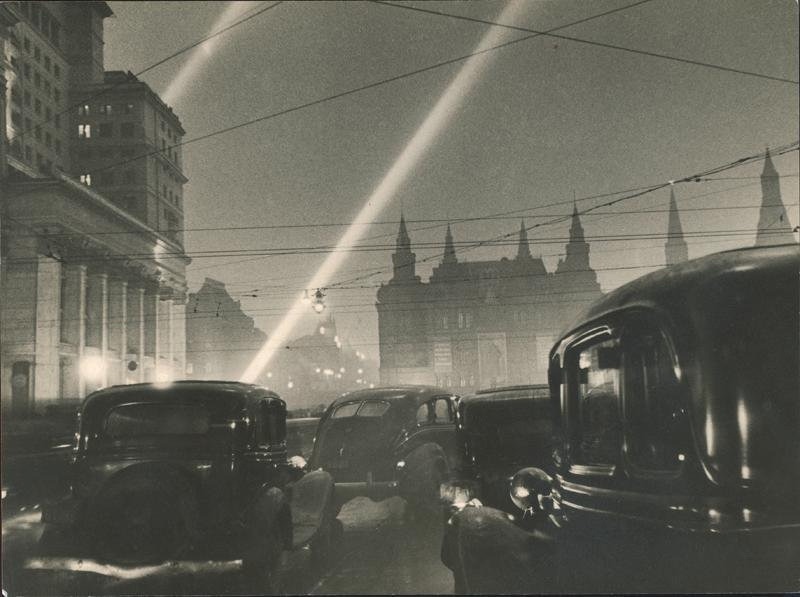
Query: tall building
[676,249]
[37,46]
[127,120]
[479,324]
[93,288]
[774,227]
[221,340]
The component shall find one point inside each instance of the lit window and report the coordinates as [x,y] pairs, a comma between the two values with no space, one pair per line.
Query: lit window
[85,131]
[83,110]
[128,108]
[86,179]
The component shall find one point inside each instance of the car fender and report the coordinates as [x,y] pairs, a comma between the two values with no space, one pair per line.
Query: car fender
[270,506]
[489,554]
[420,454]
[312,504]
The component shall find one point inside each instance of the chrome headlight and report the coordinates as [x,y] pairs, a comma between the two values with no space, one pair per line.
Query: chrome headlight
[532,490]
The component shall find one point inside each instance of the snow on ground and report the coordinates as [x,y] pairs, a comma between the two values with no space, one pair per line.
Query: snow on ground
[361,513]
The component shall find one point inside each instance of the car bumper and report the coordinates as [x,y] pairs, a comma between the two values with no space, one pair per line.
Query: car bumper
[375,490]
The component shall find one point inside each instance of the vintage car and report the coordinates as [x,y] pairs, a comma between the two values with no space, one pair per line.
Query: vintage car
[497,431]
[167,471]
[384,441]
[677,467]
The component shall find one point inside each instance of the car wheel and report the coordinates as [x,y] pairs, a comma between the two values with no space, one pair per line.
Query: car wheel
[139,522]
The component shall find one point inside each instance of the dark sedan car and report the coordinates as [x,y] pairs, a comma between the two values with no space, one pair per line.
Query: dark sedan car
[385,441]
[677,467]
[162,472]
[498,431]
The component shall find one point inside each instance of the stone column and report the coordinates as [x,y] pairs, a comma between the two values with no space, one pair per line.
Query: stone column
[134,336]
[170,337]
[179,338]
[150,301]
[97,321]
[73,325]
[118,325]
[142,339]
[48,329]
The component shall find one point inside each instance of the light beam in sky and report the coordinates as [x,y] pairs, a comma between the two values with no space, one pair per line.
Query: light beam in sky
[436,120]
[203,52]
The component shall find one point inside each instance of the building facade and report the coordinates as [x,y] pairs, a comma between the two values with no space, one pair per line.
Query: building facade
[483,323]
[221,340]
[93,293]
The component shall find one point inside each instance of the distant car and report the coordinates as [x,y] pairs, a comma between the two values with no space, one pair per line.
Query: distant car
[386,441]
[191,467]
[677,467]
[498,431]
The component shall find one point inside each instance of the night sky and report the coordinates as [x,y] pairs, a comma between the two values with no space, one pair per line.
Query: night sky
[549,120]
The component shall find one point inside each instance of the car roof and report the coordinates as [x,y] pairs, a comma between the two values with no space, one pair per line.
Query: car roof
[236,394]
[407,393]
[512,388]
[506,393]
[668,289]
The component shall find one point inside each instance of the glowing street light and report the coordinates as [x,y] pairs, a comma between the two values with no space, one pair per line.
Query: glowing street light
[318,304]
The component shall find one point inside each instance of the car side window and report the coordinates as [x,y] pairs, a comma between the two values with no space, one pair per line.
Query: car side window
[442,411]
[345,410]
[654,421]
[593,372]
[435,412]
[425,414]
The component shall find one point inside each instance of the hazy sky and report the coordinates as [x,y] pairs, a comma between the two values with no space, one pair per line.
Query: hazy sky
[550,119]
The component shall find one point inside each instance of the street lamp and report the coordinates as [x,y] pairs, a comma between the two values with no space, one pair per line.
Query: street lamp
[318,303]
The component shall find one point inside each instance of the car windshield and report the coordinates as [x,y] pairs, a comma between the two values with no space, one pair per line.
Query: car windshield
[143,419]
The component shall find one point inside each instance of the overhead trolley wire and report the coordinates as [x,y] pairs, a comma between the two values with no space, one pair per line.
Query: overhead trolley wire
[550,33]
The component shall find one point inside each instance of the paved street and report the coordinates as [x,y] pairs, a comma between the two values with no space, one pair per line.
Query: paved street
[381,553]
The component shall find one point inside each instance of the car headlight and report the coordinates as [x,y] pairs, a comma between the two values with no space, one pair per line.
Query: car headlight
[532,490]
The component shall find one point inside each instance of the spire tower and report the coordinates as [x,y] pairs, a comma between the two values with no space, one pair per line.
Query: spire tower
[449,250]
[676,249]
[523,249]
[774,227]
[403,260]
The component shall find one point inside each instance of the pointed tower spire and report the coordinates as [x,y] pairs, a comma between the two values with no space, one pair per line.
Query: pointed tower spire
[575,229]
[523,249]
[676,249]
[774,227]
[403,240]
[403,259]
[449,250]
[577,257]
